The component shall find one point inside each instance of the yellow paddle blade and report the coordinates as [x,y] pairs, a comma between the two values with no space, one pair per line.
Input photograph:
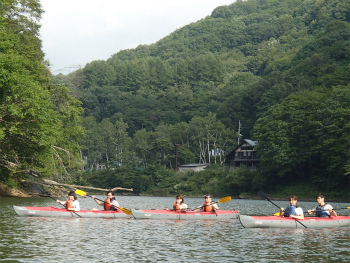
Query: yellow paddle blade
[126,211]
[80,192]
[224,199]
[277,214]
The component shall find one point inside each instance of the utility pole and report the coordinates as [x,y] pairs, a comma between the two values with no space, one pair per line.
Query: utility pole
[176,154]
[239,130]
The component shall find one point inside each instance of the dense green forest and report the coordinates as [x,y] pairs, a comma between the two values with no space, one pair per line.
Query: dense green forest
[40,123]
[280,67]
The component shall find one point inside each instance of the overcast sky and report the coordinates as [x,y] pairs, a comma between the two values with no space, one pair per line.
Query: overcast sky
[76,32]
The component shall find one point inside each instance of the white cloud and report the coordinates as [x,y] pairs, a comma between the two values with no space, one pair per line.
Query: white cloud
[75,32]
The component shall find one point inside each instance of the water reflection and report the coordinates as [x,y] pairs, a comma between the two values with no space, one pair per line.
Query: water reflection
[127,240]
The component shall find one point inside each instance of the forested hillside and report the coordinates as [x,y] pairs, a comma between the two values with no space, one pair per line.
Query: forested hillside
[39,121]
[280,67]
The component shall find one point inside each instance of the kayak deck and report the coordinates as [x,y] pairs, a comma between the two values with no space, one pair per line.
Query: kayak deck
[286,222]
[172,215]
[62,212]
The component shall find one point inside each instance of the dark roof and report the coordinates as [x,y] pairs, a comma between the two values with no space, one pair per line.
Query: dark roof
[250,142]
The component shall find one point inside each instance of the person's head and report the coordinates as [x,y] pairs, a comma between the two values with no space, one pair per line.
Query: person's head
[73,195]
[320,198]
[207,198]
[180,197]
[293,200]
[110,194]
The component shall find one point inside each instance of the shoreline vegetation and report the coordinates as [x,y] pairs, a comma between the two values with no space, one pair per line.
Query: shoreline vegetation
[26,191]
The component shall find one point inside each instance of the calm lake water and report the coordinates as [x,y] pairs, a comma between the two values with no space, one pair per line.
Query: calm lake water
[31,239]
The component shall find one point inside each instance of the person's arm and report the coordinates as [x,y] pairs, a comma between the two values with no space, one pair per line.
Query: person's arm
[97,201]
[62,203]
[282,212]
[330,211]
[310,211]
[297,217]
[215,206]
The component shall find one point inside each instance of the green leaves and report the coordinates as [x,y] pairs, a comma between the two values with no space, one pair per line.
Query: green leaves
[305,136]
[39,122]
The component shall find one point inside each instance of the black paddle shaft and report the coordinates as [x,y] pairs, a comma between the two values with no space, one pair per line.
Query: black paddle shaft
[264,197]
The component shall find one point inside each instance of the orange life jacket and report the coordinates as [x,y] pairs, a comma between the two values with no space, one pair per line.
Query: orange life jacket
[69,204]
[176,207]
[207,207]
[108,204]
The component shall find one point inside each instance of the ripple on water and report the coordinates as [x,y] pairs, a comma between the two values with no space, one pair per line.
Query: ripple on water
[128,240]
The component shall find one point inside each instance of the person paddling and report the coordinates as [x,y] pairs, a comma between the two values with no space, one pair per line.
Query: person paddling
[209,205]
[179,205]
[71,203]
[323,209]
[292,210]
[110,202]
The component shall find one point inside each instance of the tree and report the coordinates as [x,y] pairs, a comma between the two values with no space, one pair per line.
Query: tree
[209,133]
[121,141]
[98,73]
[303,138]
[39,121]
[141,142]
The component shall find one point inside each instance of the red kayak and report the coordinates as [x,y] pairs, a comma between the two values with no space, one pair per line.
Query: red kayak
[172,215]
[62,212]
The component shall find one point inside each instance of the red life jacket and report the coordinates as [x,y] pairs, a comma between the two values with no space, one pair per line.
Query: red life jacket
[107,204]
[176,207]
[207,207]
[69,204]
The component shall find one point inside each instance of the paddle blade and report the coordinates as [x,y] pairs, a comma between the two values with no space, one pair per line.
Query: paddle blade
[277,214]
[126,211]
[262,195]
[80,192]
[38,189]
[224,199]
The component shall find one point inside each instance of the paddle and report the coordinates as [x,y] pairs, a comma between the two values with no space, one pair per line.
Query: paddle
[222,200]
[82,193]
[41,191]
[264,197]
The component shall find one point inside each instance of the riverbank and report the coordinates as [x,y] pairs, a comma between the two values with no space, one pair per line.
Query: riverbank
[6,191]
[301,192]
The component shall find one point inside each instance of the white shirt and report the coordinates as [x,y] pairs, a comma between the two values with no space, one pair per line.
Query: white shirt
[299,211]
[115,203]
[183,206]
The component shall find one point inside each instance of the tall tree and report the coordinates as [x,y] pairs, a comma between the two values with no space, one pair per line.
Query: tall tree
[39,122]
